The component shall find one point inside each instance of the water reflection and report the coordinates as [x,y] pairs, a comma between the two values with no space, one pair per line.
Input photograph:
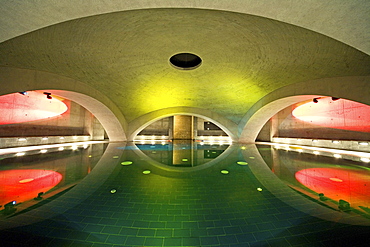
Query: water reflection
[37,176]
[182,153]
[342,185]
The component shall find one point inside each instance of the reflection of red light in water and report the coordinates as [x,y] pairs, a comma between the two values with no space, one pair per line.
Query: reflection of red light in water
[23,185]
[339,114]
[18,108]
[349,184]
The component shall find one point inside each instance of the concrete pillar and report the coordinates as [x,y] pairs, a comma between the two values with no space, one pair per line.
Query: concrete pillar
[183,127]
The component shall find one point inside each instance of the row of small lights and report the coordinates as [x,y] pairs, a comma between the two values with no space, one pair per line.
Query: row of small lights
[20,151]
[164,142]
[46,138]
[73,147]
[209,140]
[335,155]
[361,143]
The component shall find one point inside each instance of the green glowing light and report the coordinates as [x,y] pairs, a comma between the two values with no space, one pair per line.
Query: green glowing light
[126,163]
[259,189]
[184,160]
[224,171]
[242,163]
[113,191]
[146,172]
[115,157]
[243,148]
[252,158]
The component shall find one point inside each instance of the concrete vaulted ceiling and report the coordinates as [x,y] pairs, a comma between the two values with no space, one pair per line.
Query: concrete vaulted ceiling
[125,56]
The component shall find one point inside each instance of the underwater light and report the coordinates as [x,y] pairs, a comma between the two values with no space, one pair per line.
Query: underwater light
[337,156]
[22,139]
[61,148]
[44,138]
[242,163]
[126,163]
[43,151]
[20,154]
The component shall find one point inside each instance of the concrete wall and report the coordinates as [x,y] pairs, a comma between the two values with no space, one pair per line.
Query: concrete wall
[164,127]
[161,127]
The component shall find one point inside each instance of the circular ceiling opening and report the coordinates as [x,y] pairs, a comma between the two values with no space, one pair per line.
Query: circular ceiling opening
[185,61]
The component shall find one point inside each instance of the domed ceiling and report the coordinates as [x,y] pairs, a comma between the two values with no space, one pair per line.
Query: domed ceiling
[125,55]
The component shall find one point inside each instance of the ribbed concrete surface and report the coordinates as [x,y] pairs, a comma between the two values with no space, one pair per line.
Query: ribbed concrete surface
[125,56]
[346,21]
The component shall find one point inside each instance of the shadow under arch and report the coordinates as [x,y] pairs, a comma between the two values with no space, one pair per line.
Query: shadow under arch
[355,88]
[137,125]
[20,80]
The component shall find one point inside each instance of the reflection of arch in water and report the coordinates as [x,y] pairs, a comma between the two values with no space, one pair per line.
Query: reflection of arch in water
[137,125]
[279,189]
[167,168]
[73,197]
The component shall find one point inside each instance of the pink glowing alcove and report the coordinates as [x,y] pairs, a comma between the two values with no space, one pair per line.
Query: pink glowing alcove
[338,113]
[31,106]
[24,185]
[349,184]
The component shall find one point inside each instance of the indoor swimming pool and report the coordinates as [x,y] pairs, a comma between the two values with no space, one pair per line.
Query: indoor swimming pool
[181,193]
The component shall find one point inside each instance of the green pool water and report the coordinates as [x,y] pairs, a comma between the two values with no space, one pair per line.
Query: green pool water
[184,194]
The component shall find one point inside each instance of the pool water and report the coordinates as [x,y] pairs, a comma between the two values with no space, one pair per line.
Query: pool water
[189,194]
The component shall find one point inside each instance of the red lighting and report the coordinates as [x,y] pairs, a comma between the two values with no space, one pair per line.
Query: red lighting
[24,185]
[349,184]
[19,108]
[338,113]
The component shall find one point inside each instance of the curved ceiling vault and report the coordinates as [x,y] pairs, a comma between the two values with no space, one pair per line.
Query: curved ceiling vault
[125,56]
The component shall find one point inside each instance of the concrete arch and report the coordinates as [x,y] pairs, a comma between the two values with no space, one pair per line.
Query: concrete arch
[19,80]
[335,19]
[354,88]
[140,123]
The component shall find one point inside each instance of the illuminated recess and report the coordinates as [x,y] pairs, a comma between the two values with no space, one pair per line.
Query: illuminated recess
[335,113]
[20,108]
[185,61]
[338,183]
[24,184]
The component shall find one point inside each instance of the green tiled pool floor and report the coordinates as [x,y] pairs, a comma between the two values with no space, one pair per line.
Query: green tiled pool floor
[200,208]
